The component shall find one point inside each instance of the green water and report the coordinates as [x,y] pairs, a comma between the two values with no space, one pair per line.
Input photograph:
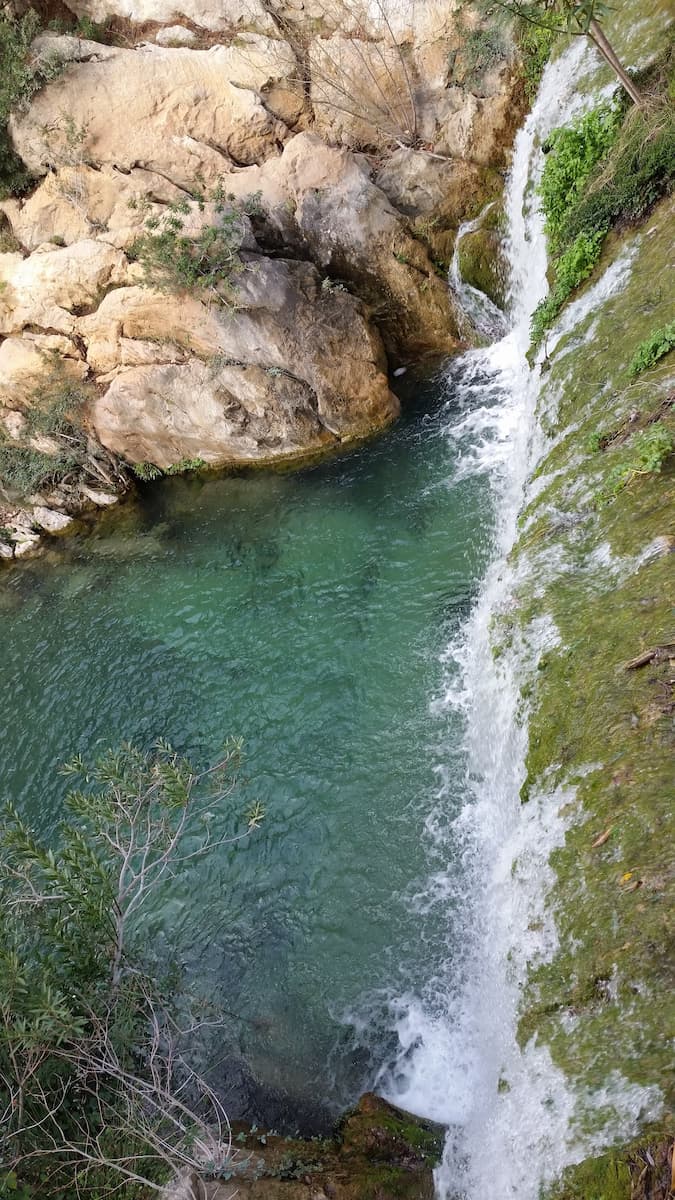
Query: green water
[307,613]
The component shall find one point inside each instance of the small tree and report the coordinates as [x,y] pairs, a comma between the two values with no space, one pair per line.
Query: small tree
[94,1081]
[581,17]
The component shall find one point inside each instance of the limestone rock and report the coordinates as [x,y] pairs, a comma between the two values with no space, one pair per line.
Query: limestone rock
[46,289]
[98,498]
[292,368]
[28,357]
[50,519]
[186,114]
[482,263]
[320,199]
[209,14]
[175,35]
[79,202]
[419,185]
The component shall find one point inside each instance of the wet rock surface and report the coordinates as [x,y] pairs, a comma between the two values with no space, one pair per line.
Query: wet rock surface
[378,1152]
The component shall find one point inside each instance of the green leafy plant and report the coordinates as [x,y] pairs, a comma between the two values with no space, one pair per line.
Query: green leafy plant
[535,42]
[655,347]
[638,170]
[571,269]
[146,471]
[21,76]
[649,451]
[572,153]
[607,168]
[93,31]
[94,1083]
[204,261]
[53,409]
[184,465]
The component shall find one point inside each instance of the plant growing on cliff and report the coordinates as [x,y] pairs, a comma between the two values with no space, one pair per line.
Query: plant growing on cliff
[649,451]
[22,74]
[608,167]
[655,347]
[95,1089]
[571,269]
[177,254]
[572,153]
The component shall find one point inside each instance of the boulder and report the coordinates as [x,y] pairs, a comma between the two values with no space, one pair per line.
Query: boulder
[320,200]
[189,115]
[24,359]
[48,288]
[292,368]
[379,1152]
[483,264]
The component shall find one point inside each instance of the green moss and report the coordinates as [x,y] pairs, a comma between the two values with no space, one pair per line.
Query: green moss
[603,1001]
[482,263]
[605,1178]
[640,1170]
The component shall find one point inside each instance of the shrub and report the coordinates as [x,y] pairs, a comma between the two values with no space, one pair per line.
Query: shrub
[609,167]
[204,262]
[24,470]
[639,171]
[656,346]
[95,1088]
[20,79]
[535,44]
[53,409]
[481,49]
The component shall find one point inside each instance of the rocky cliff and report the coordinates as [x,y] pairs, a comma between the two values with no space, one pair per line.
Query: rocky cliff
[234,220]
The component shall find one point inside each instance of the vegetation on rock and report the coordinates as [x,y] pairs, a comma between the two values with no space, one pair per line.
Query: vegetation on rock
[205,260]
[21,76]
[600,708]
[653,349]
[606,169]
[581,17]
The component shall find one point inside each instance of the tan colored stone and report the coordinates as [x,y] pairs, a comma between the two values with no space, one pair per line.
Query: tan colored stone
[28,357]
[209,14]
[44,289]
[175,35]
[175,112]
[292,367]
[50,519]
[100,499]
[320,199]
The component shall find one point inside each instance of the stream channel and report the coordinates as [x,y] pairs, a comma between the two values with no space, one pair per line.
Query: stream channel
[335,618]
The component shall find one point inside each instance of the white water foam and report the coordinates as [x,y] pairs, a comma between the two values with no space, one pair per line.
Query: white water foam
[511,1113]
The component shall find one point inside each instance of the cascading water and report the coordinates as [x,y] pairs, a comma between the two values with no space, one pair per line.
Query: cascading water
[509,1112]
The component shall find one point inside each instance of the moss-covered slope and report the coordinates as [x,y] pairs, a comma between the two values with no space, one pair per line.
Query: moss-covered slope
[596,552]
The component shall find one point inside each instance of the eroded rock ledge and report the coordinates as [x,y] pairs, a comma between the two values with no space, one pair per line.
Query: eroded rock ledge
[378,1152]
[354,143]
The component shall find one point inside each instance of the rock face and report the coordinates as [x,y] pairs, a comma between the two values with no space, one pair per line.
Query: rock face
[378,1151]
[343,256]
[295,368]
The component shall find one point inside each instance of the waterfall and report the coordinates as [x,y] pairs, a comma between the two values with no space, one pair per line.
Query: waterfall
[510,1112]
